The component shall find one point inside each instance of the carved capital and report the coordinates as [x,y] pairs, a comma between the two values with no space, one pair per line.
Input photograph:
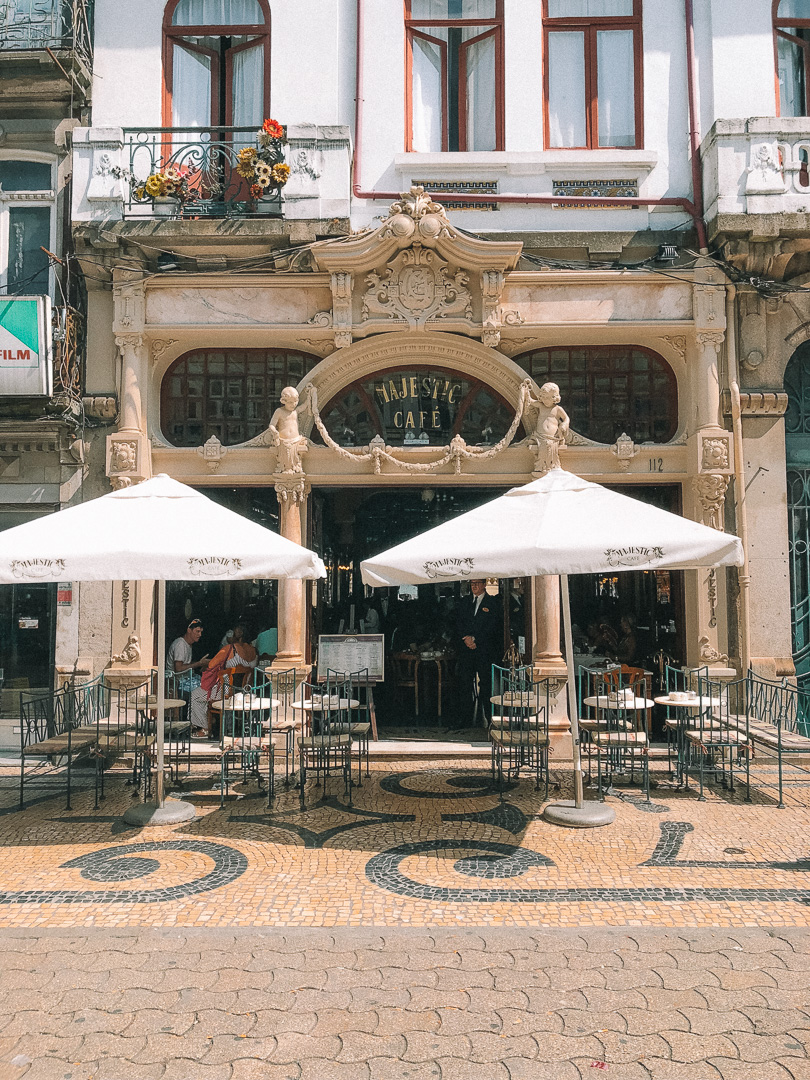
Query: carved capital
[711,339]
[129,341]
[291,491]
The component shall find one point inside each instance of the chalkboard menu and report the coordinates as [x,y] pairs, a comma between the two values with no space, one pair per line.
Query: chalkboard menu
[352,652]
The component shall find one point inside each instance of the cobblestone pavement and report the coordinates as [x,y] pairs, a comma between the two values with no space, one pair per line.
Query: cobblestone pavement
[436,928]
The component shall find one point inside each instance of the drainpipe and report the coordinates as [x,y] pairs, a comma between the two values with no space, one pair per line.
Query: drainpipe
[739,480]
[693,209]
[694,127]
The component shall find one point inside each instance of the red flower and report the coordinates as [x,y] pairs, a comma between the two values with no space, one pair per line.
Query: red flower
[273,129]
[256,190]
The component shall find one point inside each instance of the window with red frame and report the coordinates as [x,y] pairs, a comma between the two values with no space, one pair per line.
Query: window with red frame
[592,73]
[216,63]
[455,75]
[791,19]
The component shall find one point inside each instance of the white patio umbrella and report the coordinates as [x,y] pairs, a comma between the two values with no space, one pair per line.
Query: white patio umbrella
[559,524]
[159,530]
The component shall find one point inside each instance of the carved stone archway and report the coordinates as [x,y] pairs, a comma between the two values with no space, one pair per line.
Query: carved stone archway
[414,348]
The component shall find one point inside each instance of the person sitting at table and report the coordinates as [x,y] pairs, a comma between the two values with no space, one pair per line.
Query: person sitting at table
[187,683]
[232,662]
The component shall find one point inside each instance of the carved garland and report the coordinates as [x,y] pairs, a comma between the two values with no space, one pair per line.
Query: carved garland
[377,451]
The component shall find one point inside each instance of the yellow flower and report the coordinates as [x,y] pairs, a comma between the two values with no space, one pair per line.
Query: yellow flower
[281,173]
[140,192]
[154,185]
[248,154]
[245,169]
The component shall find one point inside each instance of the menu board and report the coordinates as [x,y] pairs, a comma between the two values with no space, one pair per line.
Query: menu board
[352,652]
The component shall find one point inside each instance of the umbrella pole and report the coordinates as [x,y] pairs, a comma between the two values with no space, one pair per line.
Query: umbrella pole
[573,707]
[160,732]
[158,813]
[576,814]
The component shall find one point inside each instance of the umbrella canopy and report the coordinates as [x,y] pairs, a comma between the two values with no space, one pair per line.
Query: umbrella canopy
[160,530]
[559,524]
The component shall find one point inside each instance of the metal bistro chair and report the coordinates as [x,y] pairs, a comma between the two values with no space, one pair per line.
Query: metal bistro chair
[327,747]
[518,730]
[776,723]
[620,734]
[246,736]
[281,687]
[361,701]
[717,732]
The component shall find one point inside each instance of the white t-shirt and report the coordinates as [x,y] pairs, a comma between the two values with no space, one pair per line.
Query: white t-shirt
[178,650]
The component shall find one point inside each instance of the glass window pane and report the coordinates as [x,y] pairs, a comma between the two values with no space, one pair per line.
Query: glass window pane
[25,176]
[588,9]
[452,9]
[616,88]
[217,13]
[566,88]
[791,77]
[794,9]
[481,94]
[29,229]
[427,96]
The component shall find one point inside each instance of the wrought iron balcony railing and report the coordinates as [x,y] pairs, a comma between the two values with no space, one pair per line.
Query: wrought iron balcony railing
[207,159]
[59,25]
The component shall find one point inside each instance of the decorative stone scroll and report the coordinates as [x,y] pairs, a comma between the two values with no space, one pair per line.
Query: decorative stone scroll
[416,271]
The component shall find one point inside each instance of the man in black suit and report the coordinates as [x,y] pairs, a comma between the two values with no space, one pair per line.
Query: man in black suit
[479,637]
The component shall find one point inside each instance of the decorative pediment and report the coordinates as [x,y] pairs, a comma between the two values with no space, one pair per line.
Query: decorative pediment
[417,271]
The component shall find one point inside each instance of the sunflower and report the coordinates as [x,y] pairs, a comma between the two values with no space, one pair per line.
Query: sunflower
[154,186]
[281,173]
[273,128]
[256,191]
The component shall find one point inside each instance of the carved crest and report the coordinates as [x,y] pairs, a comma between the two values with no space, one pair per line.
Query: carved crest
[417,286]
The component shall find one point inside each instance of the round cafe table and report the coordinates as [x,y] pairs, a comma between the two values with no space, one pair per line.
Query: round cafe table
[678,724]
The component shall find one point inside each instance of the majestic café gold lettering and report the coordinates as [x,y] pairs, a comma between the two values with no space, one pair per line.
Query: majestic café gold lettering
[417,402]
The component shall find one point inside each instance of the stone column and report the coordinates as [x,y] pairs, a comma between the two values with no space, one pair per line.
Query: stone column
[548,660]
[292,494]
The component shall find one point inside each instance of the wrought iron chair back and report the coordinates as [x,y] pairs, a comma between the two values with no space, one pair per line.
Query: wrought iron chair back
[327,746]
[620,736]
[518,731]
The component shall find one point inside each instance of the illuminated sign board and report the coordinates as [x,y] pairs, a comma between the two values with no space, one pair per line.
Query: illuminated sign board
[26,360]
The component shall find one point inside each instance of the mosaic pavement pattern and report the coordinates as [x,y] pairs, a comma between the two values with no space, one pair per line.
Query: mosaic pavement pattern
[428,847]
[436,930]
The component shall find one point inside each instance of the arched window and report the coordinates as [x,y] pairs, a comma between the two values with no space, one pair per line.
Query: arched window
[216,63]
[228,393]
[417,407]
[455,75]
[592,73]
[791,20]
[611,389]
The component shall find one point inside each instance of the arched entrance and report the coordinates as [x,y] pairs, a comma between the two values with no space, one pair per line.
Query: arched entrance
[797,458]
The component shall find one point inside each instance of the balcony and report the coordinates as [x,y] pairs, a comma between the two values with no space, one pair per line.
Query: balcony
[756,179]
[47,50]
[112,164]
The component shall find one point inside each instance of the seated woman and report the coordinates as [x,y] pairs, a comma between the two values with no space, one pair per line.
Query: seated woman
[233,662]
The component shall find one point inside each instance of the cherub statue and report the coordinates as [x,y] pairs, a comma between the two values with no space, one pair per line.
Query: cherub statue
[551,425]
[285,434]
[130,652]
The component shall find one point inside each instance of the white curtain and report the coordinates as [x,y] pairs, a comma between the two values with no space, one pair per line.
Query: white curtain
[248,87]
[217,13]
[585,9]
[481,95]
[566,88]
[191,93]
[616,88]
[452,9]
[427,96]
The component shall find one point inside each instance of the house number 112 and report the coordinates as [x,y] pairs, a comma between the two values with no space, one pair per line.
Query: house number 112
[656,464]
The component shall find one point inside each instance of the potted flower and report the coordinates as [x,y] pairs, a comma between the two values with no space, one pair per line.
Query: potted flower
[263,166]
[168,188]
